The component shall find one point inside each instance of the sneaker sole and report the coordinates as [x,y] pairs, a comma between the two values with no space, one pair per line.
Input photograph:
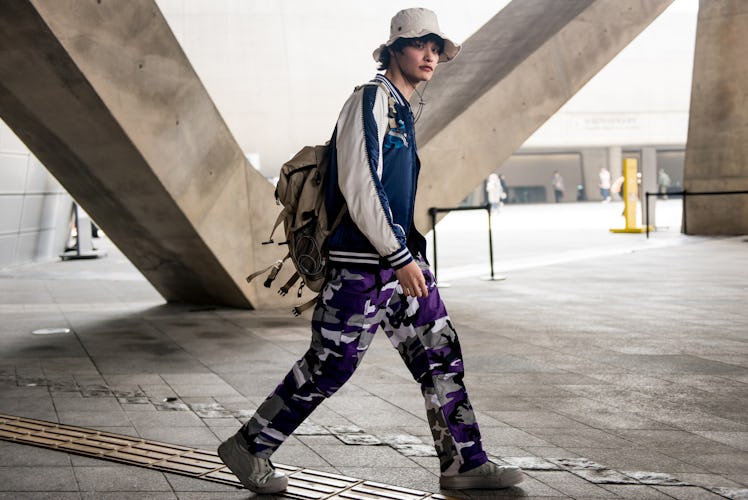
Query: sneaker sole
[505,480]
[226,455]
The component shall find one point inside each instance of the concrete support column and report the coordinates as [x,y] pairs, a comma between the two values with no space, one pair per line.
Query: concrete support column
[717,152]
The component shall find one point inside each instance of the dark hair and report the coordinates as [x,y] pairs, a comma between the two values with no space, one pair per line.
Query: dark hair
[399,44]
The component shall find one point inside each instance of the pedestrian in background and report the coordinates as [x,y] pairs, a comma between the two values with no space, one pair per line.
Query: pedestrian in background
[557,182]
[605,184]
[494,192]
[663,183]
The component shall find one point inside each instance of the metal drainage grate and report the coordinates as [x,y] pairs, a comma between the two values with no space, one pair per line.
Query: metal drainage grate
[303,484]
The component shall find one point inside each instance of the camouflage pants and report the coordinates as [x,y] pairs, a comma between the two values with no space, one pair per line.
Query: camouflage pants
[352,306]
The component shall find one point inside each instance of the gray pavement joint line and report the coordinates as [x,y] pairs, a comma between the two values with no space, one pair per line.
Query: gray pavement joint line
[304,484]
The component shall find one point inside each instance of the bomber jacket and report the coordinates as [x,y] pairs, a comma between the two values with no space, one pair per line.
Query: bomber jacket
[374,170]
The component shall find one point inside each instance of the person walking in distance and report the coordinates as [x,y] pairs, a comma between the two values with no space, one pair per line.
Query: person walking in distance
[378,276]
[494,192]
[557,182]
[504,188]
[663,183]
[604,184]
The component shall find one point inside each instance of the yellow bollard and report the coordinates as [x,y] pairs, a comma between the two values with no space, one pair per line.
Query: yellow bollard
[630,197]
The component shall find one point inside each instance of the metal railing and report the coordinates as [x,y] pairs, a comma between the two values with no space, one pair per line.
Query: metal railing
[684,194]
[433,211]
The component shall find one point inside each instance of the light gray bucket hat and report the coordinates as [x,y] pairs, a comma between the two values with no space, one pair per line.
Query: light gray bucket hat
[415,23]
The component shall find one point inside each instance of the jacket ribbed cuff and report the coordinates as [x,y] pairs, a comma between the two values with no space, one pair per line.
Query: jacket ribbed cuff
[400,258]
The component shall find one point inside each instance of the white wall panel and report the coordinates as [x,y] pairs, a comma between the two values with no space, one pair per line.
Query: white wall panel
[8,250]
[11,207]
[9,143]
[26,249]
[37,180]
[31,217]
[34,207]
[13,168]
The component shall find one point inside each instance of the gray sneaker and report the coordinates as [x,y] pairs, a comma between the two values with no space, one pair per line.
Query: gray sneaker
[488,476]
[256,474]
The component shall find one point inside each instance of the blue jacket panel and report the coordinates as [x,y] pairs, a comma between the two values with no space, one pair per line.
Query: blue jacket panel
[374,170]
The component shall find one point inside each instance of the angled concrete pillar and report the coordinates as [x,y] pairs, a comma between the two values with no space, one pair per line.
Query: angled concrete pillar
[717,150]
[513,75]
[103,95]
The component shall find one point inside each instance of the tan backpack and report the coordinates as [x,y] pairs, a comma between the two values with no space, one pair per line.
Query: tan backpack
[301,192]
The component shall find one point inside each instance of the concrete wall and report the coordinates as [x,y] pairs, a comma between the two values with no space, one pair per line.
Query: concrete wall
[34,208]
[640,97]
[717,153]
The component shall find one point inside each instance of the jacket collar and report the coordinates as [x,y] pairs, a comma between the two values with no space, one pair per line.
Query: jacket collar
[393,90]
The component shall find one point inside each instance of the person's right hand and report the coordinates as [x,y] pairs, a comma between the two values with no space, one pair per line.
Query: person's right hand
[412,280]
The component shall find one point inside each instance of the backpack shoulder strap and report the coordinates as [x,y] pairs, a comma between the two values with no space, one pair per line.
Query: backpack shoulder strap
[381,85]
[278,221]
[391,111]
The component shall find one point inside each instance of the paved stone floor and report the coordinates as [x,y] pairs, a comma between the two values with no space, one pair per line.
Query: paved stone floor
[607,365]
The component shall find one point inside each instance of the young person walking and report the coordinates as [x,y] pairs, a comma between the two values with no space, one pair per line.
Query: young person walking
[378,276]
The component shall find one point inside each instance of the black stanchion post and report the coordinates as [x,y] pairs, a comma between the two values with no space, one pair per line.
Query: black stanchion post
[435,210]
[493,276]
[84,248]
[646,211]
[684,194]
[490,239]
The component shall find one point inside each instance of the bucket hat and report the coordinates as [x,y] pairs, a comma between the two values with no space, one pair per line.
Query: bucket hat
[415,23]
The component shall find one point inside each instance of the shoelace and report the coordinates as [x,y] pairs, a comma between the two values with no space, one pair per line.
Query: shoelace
[266,467]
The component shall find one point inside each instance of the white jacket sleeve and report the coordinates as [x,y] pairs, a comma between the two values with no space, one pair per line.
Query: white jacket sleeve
[360,134]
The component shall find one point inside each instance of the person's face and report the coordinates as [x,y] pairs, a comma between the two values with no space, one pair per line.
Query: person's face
[418,60]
